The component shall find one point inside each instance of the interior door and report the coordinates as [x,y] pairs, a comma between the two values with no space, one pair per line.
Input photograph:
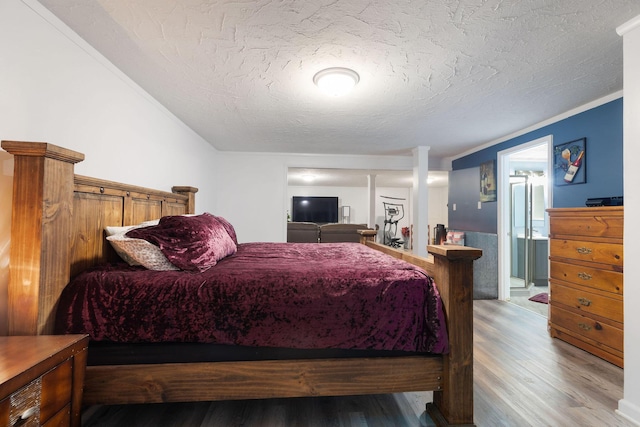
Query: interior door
[521,242]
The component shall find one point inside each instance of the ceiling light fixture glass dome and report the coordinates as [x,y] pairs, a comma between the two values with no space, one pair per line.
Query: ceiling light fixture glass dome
[336,81]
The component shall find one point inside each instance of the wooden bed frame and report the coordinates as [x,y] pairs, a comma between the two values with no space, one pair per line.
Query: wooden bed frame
[58,220]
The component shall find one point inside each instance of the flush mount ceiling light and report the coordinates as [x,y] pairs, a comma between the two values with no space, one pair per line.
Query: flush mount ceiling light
[336,81]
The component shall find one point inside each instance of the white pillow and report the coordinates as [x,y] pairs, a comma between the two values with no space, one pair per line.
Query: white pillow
[137,251]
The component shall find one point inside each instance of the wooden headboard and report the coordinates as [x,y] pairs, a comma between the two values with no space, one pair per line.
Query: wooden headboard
[57,226]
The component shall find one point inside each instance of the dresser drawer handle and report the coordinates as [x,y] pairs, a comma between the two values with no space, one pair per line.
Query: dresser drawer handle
[584,301]
[584,326]
[583,250]
[584,276]
[29,413]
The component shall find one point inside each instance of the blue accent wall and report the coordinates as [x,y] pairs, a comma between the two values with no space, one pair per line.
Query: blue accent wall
[602,128]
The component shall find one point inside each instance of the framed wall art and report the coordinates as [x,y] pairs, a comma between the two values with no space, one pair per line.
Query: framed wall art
[488,174]
[569,162]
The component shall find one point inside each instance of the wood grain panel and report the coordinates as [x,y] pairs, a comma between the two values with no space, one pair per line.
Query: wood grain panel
[262,379]
[588,276]
[600,334]
[56,390]
[172,208]
[61,419]
[5,408]
[584,250]
[588,302]
[40,230]
[92,213]
[609,354]
[605,223]
[140,209]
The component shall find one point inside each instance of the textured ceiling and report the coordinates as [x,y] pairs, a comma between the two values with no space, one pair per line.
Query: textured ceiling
[450,74]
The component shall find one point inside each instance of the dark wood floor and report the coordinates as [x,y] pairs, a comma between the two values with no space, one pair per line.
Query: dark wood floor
[522,378]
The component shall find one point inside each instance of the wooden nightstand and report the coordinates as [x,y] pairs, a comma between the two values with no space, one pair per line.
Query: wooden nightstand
[41,380]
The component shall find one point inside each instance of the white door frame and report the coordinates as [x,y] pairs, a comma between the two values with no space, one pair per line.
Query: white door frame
[504,209]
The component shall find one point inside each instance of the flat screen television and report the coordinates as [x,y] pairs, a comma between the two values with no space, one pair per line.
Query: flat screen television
[314,209]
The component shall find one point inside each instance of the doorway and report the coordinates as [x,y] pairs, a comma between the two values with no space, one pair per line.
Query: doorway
[524,194]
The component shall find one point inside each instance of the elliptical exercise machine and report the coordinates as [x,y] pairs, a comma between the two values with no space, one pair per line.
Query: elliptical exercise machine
[393,213]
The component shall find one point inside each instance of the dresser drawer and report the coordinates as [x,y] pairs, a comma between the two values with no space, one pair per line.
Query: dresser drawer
[584,250]
[600,333]
[596,278]
[589,223]
[588,302]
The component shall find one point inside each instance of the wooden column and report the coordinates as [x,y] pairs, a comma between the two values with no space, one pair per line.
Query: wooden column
[453,405]
[40,233]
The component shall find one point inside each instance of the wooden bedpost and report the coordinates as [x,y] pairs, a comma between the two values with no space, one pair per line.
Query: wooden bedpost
[452,270]
[190,192]
[453,405]
[40,233]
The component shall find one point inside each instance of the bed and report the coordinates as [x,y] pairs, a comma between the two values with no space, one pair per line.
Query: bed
[58,222]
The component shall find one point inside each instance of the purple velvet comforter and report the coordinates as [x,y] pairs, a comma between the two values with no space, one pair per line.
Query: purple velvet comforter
[309,296]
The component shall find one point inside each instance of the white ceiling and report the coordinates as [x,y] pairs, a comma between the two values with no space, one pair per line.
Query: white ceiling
[450,74]
[306,177]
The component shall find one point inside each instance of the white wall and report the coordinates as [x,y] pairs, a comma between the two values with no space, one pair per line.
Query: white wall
[629,406]
[438,211]
[253,192]
[55,88]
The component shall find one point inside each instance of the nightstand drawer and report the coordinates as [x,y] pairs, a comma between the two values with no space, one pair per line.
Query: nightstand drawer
[42,400]
[584,250]
[598,332]
[61,419]
[597,278]
[587,302]
[24,405]
[56,390]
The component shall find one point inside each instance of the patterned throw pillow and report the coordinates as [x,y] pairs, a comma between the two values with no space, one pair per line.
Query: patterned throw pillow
[137,251]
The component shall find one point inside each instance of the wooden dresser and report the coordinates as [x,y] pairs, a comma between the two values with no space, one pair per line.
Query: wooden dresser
[41,380]
[585,285]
